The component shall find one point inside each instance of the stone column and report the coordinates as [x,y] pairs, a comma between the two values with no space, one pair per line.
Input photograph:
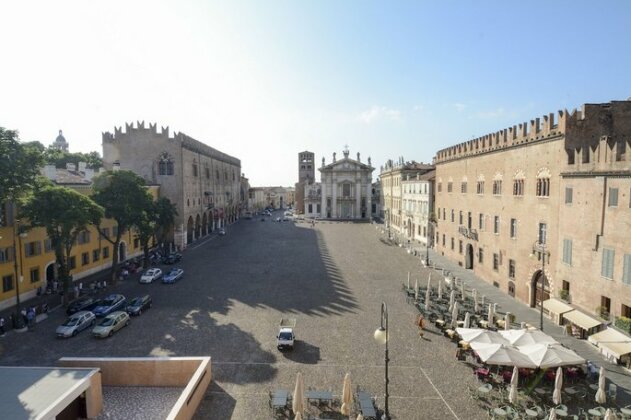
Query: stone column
[368,199]
[358,197]
[323,197]
[334,197]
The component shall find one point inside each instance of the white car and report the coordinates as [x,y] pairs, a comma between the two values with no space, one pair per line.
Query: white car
[77,322]
[151,275]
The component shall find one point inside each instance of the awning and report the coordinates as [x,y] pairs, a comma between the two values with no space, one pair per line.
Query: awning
[556,306]
[586,322]
[612,342]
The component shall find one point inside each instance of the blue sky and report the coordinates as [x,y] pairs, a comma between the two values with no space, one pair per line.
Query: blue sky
[264,80]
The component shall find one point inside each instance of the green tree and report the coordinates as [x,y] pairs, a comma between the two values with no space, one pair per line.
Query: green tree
[124,197]
[155,222]
[166,212]
[64,213]
[19,166]
[59,158]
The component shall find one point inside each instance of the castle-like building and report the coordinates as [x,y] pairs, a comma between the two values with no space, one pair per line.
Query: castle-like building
[542,210]
[204,184]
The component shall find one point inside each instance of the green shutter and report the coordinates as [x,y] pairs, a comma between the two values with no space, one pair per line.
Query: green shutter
[626,273]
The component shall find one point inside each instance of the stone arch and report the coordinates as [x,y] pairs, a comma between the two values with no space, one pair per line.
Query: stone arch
[544,173]
[519,174]
[205,224]
[468,260]
[480,177]
[189,230]
[536,294]
[50,272]
[498,176]
[198,227]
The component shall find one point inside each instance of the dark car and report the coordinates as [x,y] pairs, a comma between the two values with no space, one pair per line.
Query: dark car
[172,258]
[110,304]
[139,304]
[81,304]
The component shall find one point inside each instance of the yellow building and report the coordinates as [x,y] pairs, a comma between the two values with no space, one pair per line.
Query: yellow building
[34,262]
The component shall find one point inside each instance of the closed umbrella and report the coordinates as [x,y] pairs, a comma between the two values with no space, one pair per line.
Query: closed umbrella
[553,414]
[416,289]
[452,299]
[462,290]
[474,292]
[609,415]
[601,397]
[427,298]
[558,383]
[467,320]
[408,279]
[454,316]
[429,280]
[489,317]
[298,416]
[483,302]
[440,289]
[512,396]
[298,404]
[347,396]
[507,321]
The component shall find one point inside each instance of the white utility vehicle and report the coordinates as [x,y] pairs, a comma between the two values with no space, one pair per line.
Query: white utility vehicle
[286,337]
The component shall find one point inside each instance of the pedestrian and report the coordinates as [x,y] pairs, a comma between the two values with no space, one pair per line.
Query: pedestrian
[2,327]
[24,317]
[30,317]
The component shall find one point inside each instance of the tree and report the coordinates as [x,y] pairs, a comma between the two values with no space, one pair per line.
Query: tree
[59,158]
[124,197]
[19,166]
[155,222]
[165,219]
[64,213]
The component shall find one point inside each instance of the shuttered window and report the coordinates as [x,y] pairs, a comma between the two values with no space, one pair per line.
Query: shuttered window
[606,269]
[626,271]
[567,251]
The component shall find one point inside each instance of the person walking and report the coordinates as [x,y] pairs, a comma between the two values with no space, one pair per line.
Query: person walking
[2,327]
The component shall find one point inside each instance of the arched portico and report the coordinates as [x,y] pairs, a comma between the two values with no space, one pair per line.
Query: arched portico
[536,294]
[189,230]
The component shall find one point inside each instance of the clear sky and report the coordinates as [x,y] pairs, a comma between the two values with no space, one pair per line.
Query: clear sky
[265,80]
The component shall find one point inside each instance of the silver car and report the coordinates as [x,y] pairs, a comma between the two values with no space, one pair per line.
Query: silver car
[79,321]
[110,324]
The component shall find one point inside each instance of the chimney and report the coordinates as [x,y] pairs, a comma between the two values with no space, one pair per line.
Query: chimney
[71,167]
[82,166]
[50,172]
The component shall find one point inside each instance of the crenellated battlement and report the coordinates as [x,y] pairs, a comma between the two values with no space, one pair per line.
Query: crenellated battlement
[129,129]
[581,128]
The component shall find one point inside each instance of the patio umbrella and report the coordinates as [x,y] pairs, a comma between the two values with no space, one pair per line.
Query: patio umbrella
[502,354]
[480,335]
[527,337]
[551,355]
[489,317]
[452,299]
[609,415]
[553,414]
[512,395]
[507,321]
[297,403]
[467,320]
[416,289]
[558,383]
[440,289]
[601,397]
[474,292]
[360,417]
[298,416]
[347,396]
[427,298]
[454,316]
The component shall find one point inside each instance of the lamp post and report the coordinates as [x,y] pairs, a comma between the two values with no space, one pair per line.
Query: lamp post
[381,335]
[540,247]
[17,253]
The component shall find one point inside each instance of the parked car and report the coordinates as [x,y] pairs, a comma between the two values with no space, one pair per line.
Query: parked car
[172,258]
[172,276]
[150,275]
[110,324]
[109,304]
[139,304]
[76,323]
[81,304]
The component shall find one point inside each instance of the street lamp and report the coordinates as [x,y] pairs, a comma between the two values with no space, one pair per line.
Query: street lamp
[381,335]
[17,253]
[540,248]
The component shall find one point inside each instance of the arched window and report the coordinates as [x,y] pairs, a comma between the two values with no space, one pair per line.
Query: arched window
[543,183]
[497,184]
[165,164]
[479,187]
[518,183]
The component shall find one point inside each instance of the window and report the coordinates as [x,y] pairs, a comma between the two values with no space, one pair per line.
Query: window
[85,258]
[318,206]
[106,252]
[568,195]
[518,187]
[566,286]
[606,269]
[511,289]
[496,261]
[469,220]
[453,215]
[452,244]
[463,187]
[481,222]
[460,217]
[496,225]
[625,311]
[48,245]
[443,239]
[511,269]
[136,242]
[497,187]
[450,187]
[567,251]
[6,255]
[207,171]
[440,187]
[346,190]
[96,255]
[72,263]
[7,283]
[165,167]
[626,269]
[605,302]
[105,232]
[513,228]
[115,231]
[460,247]
[480,255]
[195,169]
[543,187]
[34,275]
[480,187]
[32,248]
[83,237]
[543,233]
[613,197]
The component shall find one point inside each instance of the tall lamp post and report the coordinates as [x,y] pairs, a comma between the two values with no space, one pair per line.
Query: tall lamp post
[17,253]
[539,247]
[381,335]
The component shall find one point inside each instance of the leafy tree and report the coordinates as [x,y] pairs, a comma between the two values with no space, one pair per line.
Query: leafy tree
[155,222]
[124,197]
[165,219]
[64,213]
[19,166]
[59,158]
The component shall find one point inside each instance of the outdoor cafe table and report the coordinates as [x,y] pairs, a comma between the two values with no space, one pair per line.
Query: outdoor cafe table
[450,333]
[320,396]
[560,412]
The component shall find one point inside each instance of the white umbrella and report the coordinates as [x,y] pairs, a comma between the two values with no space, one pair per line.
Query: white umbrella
[551,355]
[609,415]
[347,396]
[429,280]
[601,397]
[298,416]
[474,292]
[416,289]
[489,317]
[507,321]
[462,290]
[553,414]
[483,302]
[440,289]
[427,299]
[512,396]
[467,320]
[452,299]
[502,354]
[454,316]
[360,417]
[558,383]
[481,336]
[297,403]
[408,279]
[527,337]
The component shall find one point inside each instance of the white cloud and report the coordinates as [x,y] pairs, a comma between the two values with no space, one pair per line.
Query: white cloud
[379,113]
[459,107]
